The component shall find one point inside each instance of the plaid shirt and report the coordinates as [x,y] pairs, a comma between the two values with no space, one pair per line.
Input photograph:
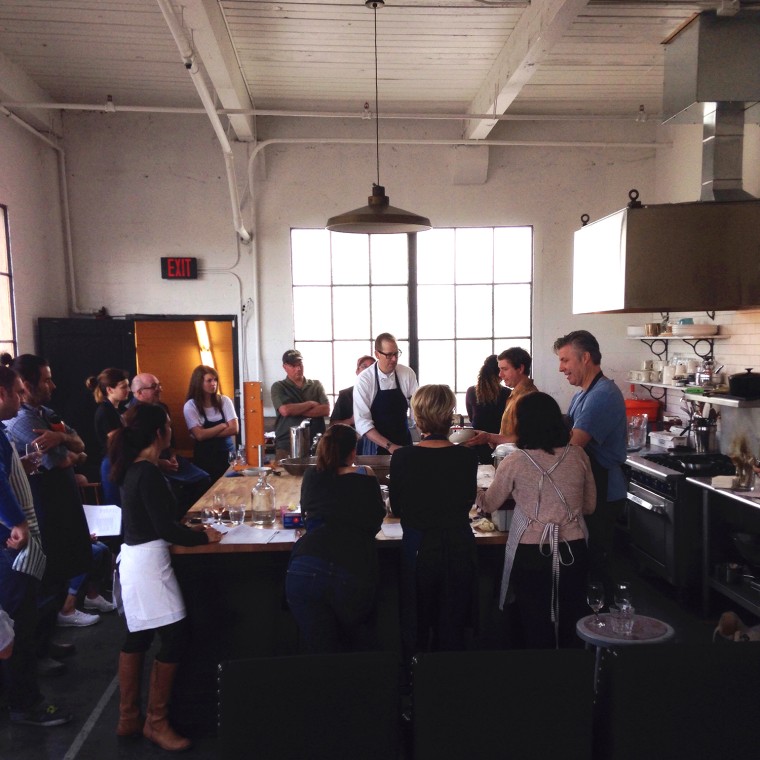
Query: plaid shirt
[31,418]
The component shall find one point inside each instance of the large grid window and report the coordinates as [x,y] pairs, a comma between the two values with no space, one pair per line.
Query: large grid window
[472,296]
[7,321]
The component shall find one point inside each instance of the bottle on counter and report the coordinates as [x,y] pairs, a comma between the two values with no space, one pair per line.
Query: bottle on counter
[262,500]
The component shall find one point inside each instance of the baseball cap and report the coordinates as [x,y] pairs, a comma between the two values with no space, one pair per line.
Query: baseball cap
[292,357]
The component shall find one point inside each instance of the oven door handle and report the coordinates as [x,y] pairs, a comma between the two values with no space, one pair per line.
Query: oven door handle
[656,508]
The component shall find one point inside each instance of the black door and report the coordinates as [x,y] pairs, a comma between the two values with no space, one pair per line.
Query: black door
[76,349]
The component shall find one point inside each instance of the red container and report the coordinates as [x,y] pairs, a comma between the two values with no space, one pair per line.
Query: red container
[652,408]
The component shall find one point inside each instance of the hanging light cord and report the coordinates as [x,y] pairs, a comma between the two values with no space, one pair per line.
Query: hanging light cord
[377,104]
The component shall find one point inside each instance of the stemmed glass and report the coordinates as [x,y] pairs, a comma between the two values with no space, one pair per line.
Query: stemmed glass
[34,455]
[595,599]
[218,502]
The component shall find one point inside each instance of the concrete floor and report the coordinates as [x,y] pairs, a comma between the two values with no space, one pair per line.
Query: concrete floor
[89,688]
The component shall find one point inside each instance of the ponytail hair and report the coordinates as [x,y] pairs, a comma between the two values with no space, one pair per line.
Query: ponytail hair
[335,446]
[142,426]
[108,378]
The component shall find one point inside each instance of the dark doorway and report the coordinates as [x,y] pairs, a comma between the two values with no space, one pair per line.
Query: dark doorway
[78,348]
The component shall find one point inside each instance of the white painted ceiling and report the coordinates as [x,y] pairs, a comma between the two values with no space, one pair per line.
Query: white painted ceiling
[548,57]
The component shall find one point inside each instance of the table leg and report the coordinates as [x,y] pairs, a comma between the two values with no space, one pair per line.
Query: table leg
[705,553]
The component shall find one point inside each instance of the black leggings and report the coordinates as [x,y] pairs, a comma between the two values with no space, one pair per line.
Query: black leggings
[173,639]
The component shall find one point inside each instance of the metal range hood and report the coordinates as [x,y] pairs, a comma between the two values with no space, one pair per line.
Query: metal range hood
[688,256]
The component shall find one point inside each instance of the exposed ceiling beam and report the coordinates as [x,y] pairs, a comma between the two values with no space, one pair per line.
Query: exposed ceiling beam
[211,40]
[540,27]
[16,85]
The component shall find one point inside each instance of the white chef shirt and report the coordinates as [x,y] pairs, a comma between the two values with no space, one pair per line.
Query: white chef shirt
[365,389]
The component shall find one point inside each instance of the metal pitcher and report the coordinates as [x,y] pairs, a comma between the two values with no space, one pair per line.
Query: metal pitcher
[300,440]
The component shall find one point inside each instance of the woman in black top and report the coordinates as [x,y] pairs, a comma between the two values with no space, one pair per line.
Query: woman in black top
[485,402]
[111,391]
[332,578]
[432,488]
[148,587]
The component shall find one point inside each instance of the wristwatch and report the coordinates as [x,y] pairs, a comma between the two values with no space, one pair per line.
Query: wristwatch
[388,445]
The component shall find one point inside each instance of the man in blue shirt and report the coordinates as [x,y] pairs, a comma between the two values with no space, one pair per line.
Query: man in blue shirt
[597,415]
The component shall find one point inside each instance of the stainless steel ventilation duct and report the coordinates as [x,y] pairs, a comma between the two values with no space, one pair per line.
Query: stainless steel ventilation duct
[688,256]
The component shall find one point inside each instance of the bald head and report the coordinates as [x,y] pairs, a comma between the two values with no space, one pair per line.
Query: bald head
[146,388]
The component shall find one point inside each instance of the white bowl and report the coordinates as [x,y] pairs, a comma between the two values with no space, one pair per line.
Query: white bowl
[460,435]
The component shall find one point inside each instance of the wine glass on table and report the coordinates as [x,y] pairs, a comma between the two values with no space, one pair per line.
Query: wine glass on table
[34,455]
[595,600]
[218,506]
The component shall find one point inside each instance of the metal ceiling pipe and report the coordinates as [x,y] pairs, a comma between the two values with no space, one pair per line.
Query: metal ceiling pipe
[191,64]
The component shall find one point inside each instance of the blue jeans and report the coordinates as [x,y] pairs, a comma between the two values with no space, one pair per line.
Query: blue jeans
[331,605]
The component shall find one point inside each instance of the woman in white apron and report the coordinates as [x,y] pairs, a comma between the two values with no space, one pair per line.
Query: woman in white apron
[149,591]
[545,563]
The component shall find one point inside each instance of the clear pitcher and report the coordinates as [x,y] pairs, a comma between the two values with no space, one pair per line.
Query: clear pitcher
[262,500]
[637,431]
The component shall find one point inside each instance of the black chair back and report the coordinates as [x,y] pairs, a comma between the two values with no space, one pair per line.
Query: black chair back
[518,704]
[310,707]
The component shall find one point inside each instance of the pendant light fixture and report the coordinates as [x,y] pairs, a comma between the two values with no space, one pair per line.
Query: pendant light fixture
[378,217]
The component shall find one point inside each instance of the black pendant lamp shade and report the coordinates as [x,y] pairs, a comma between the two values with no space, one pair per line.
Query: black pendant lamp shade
[378,216]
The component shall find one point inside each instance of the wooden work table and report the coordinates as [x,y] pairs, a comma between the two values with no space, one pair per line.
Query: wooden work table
[237,490]
[236,608]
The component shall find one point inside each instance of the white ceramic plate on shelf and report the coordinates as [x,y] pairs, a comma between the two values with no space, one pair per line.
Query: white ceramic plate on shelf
[635,331]
[695,330]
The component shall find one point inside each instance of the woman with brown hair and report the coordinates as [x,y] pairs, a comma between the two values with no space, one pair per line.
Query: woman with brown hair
[485,402]
[149,589]
[211,421]
[111,391]
[332,578]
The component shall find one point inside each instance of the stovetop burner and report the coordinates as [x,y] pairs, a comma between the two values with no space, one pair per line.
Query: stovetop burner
[692,463]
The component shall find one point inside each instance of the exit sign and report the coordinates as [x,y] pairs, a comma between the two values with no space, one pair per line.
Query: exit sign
[179,268]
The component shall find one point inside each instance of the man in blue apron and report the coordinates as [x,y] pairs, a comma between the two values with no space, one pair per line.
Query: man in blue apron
[381,400]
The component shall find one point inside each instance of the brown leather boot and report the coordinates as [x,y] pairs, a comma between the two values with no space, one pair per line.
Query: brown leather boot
[157,728]
[130,676]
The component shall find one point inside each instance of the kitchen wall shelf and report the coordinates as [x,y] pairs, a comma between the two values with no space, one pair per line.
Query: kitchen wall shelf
[691,340]
[722,400]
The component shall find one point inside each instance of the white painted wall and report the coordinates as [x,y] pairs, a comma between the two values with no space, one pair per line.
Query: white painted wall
[146,186]
[29,188]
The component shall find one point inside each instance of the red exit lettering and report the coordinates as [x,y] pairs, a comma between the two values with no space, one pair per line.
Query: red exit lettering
[179,268]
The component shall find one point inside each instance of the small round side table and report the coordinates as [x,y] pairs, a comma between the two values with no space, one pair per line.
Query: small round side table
[646,630]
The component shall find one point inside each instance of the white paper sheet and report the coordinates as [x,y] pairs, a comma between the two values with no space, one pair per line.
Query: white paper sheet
[392,530]
[103,519]
[283,536]
[245,534]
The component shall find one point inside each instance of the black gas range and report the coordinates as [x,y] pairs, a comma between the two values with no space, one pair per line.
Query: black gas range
[663,524]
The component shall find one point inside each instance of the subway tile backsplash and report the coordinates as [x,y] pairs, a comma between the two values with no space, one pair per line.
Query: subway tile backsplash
[741,349]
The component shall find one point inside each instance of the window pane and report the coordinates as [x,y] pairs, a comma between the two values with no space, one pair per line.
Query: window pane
[310,257]
[317,362]
[347,353]
[474,255]
[6,316]
[470,357]
[435,311]
[350,259]
[312,316]
[437,362]
[4,258]
[390,312]
[350,312]
[512,310]
[435,256]
[474,318]
[389,258]
[513,248]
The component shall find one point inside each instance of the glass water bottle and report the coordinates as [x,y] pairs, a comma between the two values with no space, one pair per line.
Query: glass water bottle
[262,500]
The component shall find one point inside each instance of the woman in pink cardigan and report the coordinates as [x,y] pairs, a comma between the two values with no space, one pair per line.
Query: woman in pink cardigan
[545,562]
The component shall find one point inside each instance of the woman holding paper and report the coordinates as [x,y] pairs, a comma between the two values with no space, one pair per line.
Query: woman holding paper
[149,590]
[332,578]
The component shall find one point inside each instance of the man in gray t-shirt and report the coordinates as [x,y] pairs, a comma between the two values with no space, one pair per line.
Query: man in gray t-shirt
[296,399]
